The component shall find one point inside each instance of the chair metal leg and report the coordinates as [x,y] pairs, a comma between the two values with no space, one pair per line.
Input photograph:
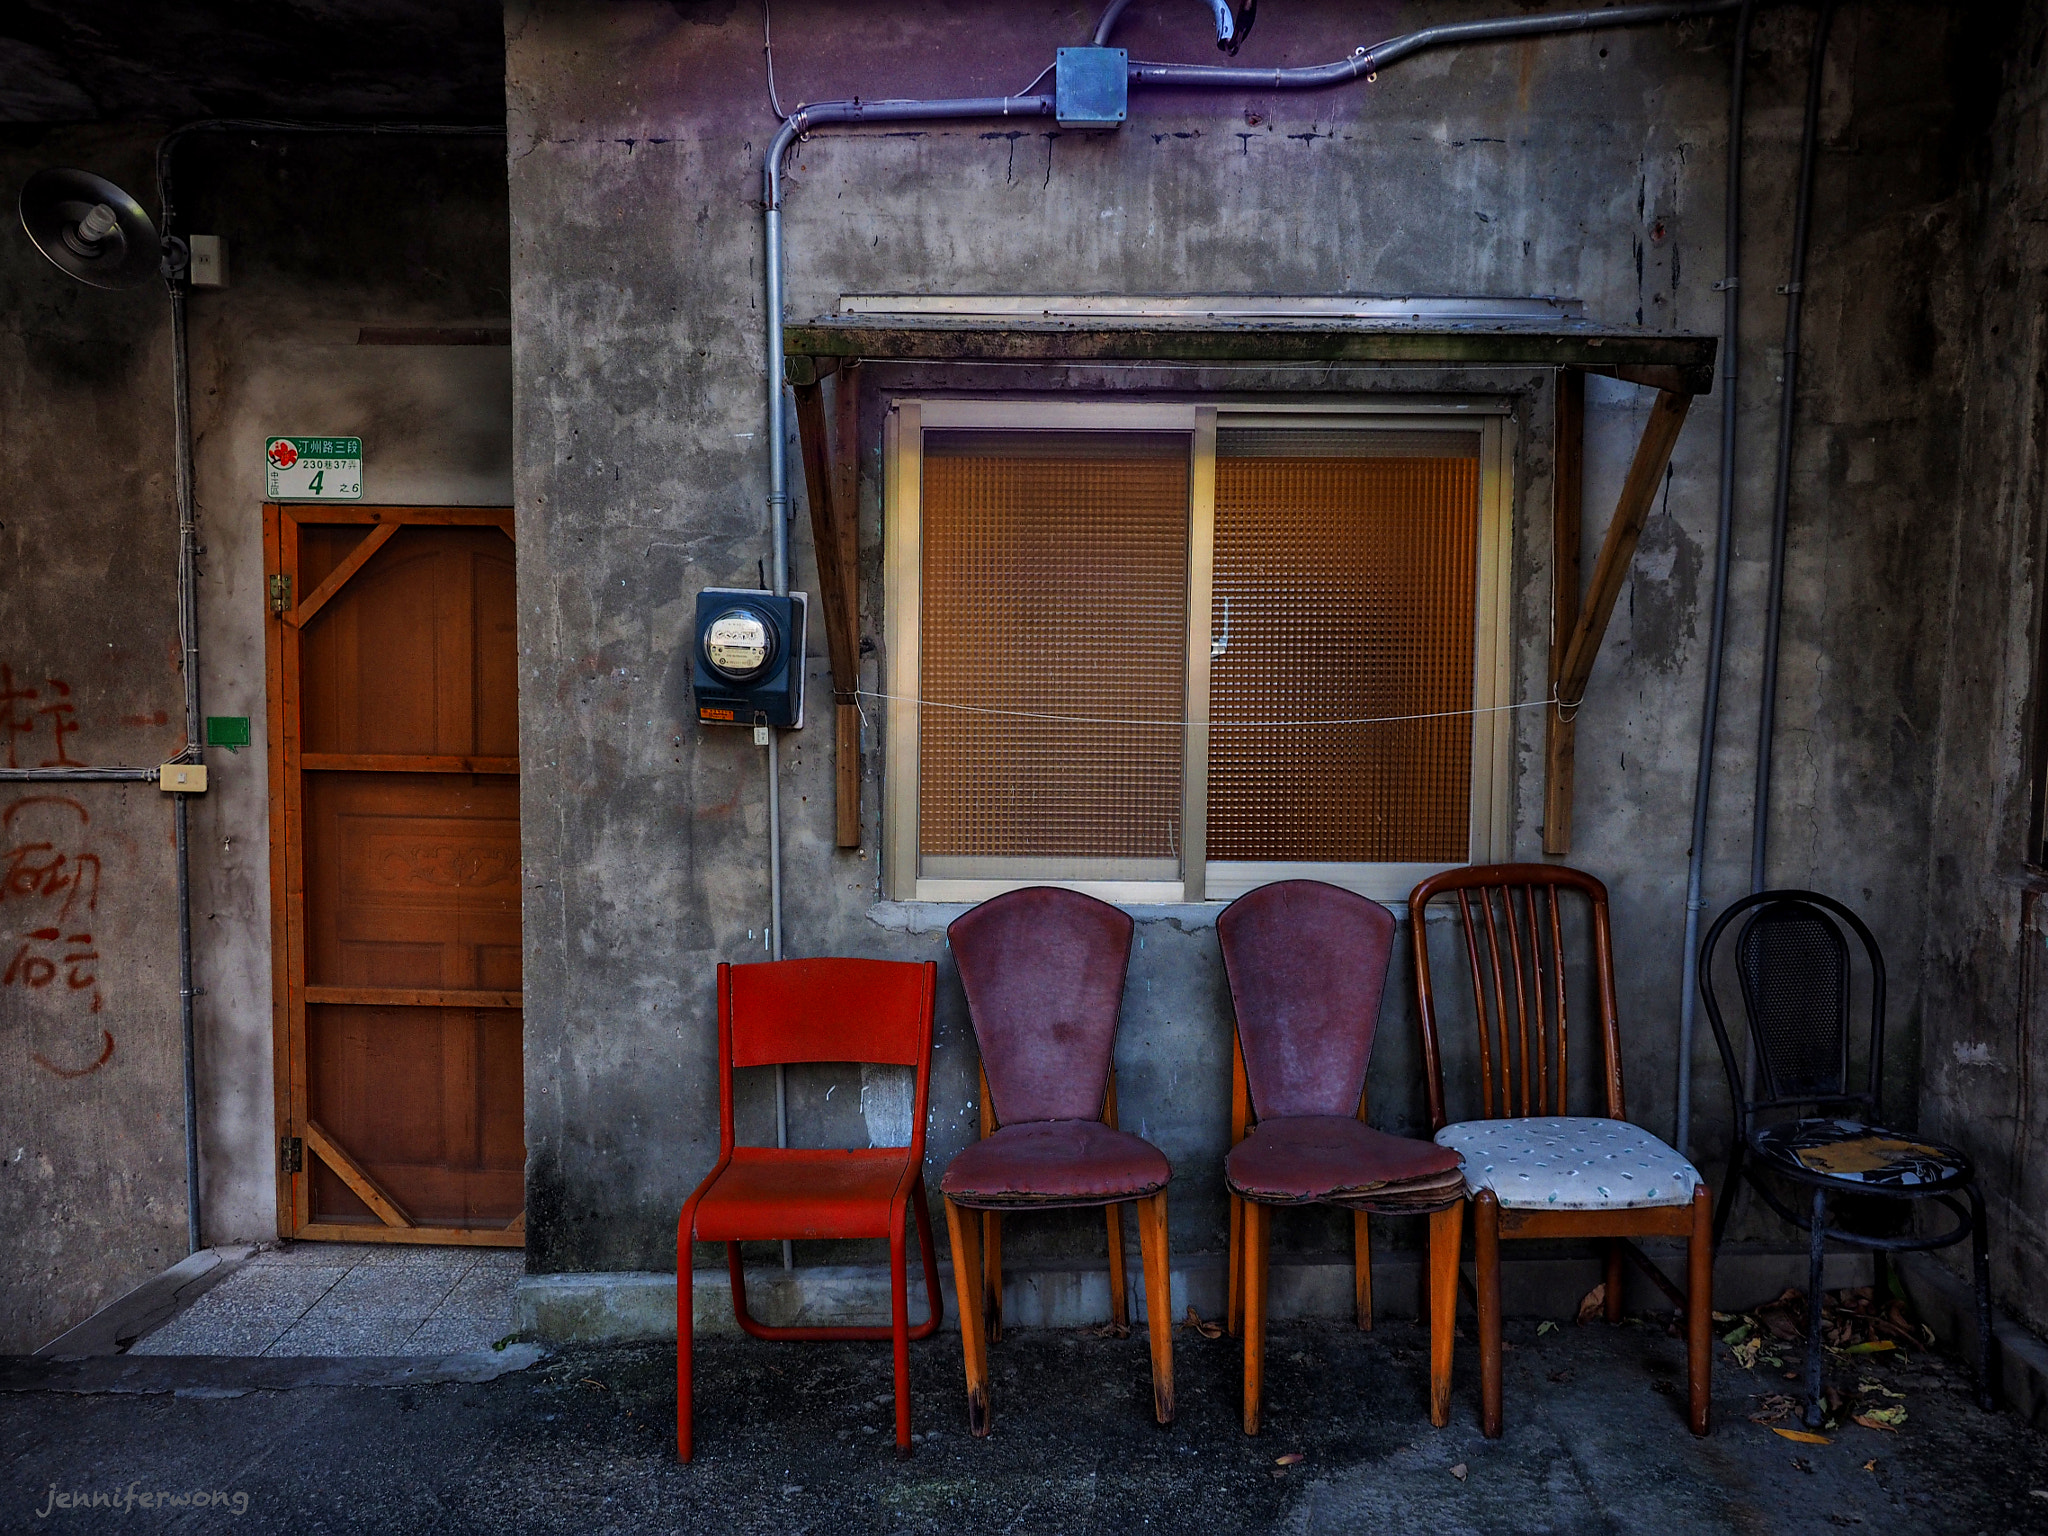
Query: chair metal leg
[1361,1268]
[1731,1186]
[1119,1302]
[685,1335]
[1816,1406]
[1486,1261]
[992,1273]
[1258,1221]
[1446,1235]
[1699,1313]
[1980,1264]
[1157,1254]
[899,1325]
[964,1229]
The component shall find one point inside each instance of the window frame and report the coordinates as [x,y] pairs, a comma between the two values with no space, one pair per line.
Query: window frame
[906,420]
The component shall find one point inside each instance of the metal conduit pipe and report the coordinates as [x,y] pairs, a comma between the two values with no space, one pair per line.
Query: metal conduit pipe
[1367,61]
[1703,778]
[1788,415]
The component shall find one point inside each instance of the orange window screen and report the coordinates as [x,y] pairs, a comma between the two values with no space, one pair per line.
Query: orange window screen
[1054,583]
[1346,569]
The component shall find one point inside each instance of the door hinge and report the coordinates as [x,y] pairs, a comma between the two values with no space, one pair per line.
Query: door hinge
[280,593]
[291,1155]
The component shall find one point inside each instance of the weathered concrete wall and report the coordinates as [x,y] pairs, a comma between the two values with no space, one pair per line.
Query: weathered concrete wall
[1985,977]
[1590,166]
[325,236]
[92,1187]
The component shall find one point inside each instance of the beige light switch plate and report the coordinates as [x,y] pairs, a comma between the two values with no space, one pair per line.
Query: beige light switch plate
[182,778]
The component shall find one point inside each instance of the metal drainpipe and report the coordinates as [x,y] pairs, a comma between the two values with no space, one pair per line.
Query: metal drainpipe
[1788,414]
[1703,778]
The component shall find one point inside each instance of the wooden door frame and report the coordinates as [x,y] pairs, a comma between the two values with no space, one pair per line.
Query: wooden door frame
[287,609]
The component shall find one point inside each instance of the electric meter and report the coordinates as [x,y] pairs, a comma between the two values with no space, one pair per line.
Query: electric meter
[749,659]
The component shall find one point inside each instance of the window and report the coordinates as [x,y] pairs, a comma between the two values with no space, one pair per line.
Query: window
[1171,652]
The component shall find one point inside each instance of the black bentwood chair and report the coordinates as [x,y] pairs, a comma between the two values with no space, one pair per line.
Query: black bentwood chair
[1793,964]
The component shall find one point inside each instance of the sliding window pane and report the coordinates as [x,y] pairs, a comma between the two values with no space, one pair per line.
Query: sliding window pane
[1345,581]
[1054,587]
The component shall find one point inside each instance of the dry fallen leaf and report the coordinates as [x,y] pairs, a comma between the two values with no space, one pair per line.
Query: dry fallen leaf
[1874,1346]
[1803,1436]
[1290,1459]
[1745,1354]
[1869,1422]
[1882,1418]
[1206,1330]
[1594,1303]
[590,1382]
[1112,1330]
[1459,1471]
[1546,1326]
[1772,1408]
[1870,1466]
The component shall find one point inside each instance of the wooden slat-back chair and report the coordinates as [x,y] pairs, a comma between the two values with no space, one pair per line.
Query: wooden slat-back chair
[1533,1168]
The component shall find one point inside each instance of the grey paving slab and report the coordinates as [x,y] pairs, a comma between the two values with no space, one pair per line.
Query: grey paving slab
[380,1290]
[347,1334]
[209,1334]
[456,1335]
[481,1293]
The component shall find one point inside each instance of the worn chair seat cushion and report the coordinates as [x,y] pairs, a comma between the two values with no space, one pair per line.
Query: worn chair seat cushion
[1048,1163]
[1570,1163]
[1855,1153]
[1312,1159]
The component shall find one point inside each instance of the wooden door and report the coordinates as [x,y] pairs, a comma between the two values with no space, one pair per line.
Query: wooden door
[394,792]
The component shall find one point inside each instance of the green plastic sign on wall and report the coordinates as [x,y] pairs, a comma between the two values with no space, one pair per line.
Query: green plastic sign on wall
[230,731]
[313,468]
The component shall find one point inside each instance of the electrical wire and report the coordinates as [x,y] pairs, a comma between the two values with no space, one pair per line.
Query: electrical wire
[1127,720]
[768,52]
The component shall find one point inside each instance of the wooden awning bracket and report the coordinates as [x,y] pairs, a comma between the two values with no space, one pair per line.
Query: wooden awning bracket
[831,459]
[1577,629]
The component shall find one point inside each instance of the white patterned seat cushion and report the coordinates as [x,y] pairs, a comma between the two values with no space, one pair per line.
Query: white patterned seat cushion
[1569,1163]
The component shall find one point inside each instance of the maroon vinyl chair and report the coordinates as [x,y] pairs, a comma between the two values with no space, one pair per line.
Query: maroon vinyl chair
[1307,963]
[1043,969]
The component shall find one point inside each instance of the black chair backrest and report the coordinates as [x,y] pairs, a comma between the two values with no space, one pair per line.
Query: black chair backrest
[1792,961]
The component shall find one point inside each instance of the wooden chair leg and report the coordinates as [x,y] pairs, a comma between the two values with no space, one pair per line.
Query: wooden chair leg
[1233,1278]
[1258,1224]
[992,1273]
[1486,1260]
[685,1335]
[1158,1256]
[1361,1266]
[899,1326]
[1615,1271]
[1699,1312]
[1446,1237]
[1119,1302]
[964,1230]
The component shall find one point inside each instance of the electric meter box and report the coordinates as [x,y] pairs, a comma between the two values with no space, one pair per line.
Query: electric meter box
[749,658]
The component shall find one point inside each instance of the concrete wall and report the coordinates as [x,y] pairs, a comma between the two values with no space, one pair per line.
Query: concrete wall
[1985,978]
[92,1185]
[325,236]
[1590,166]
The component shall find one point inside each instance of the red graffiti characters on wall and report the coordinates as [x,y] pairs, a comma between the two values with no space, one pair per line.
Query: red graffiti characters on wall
[18,718]
[53,881]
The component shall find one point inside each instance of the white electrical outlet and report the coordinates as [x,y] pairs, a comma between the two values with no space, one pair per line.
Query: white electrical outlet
[209,267]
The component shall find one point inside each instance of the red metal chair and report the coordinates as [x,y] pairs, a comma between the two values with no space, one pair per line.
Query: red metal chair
[1533,1169]
[1043,969]
[791,1011]
[1307,963]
